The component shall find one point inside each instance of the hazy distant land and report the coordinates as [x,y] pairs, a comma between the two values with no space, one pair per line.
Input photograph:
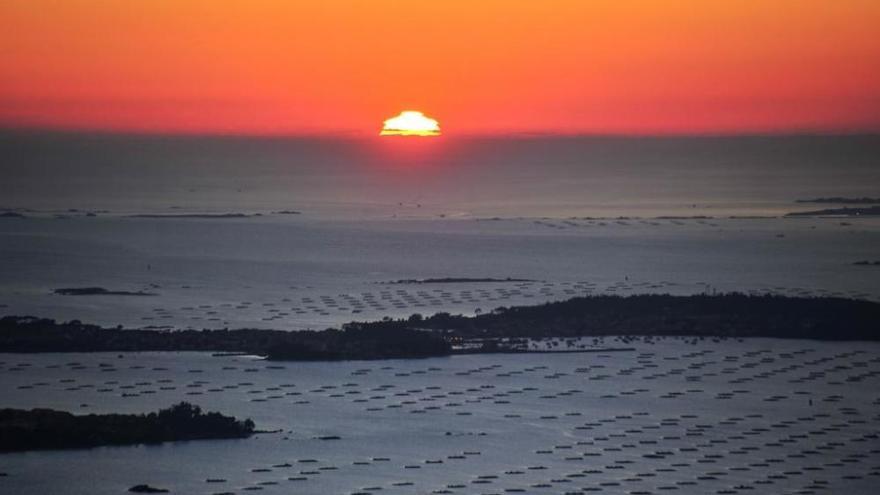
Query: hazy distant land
[841,200]
[861,206]
[455,280]
[845,211]
[99,291]
[195,215]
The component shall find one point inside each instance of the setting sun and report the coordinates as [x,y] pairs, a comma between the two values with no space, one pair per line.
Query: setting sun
[410,123]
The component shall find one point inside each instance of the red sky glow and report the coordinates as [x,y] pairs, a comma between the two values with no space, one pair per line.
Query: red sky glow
[484,66]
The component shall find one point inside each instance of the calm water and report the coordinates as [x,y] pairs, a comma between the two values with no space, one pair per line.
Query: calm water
[296,273]
[469,177]
[765,416]
[712,417]
[375,210]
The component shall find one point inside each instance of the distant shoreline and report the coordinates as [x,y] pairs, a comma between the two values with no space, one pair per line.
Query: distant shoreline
[841,200]
[842,206]
[453,280]
[195,215]
[99,291]
[845,211]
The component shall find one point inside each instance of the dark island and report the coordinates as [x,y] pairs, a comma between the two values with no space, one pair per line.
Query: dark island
[845,211]
[454,280]
[725,315]
[39,429]
[194,215]
[841,201]
[99,291]
[146,489]
[390,340]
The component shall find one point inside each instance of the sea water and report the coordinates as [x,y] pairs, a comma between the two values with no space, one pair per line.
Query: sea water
[694,417]
[341,218]
[324,230]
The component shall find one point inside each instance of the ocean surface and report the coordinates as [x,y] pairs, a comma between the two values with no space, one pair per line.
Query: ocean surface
[320,227]
[448,177]
[671,416]
[297,234]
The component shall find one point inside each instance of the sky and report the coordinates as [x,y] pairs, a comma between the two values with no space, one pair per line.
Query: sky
[477,66]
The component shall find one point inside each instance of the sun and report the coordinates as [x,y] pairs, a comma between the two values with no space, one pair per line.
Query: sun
[410,123]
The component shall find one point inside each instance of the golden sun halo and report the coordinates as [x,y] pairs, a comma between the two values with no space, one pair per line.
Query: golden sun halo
[410,123]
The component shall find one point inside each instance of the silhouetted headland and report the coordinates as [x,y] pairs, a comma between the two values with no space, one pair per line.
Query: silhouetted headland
[146,489]
[841,201]
[195,215]
[723,315]
[726,315]
[387,341]
[867,263]
[688,217]
[845,211]
[39,429]
[456,280]
[99,291]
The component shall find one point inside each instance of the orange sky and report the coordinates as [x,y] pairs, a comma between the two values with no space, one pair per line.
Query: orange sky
[478,66]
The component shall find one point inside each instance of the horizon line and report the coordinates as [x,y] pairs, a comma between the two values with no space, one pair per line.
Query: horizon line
[369,135]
